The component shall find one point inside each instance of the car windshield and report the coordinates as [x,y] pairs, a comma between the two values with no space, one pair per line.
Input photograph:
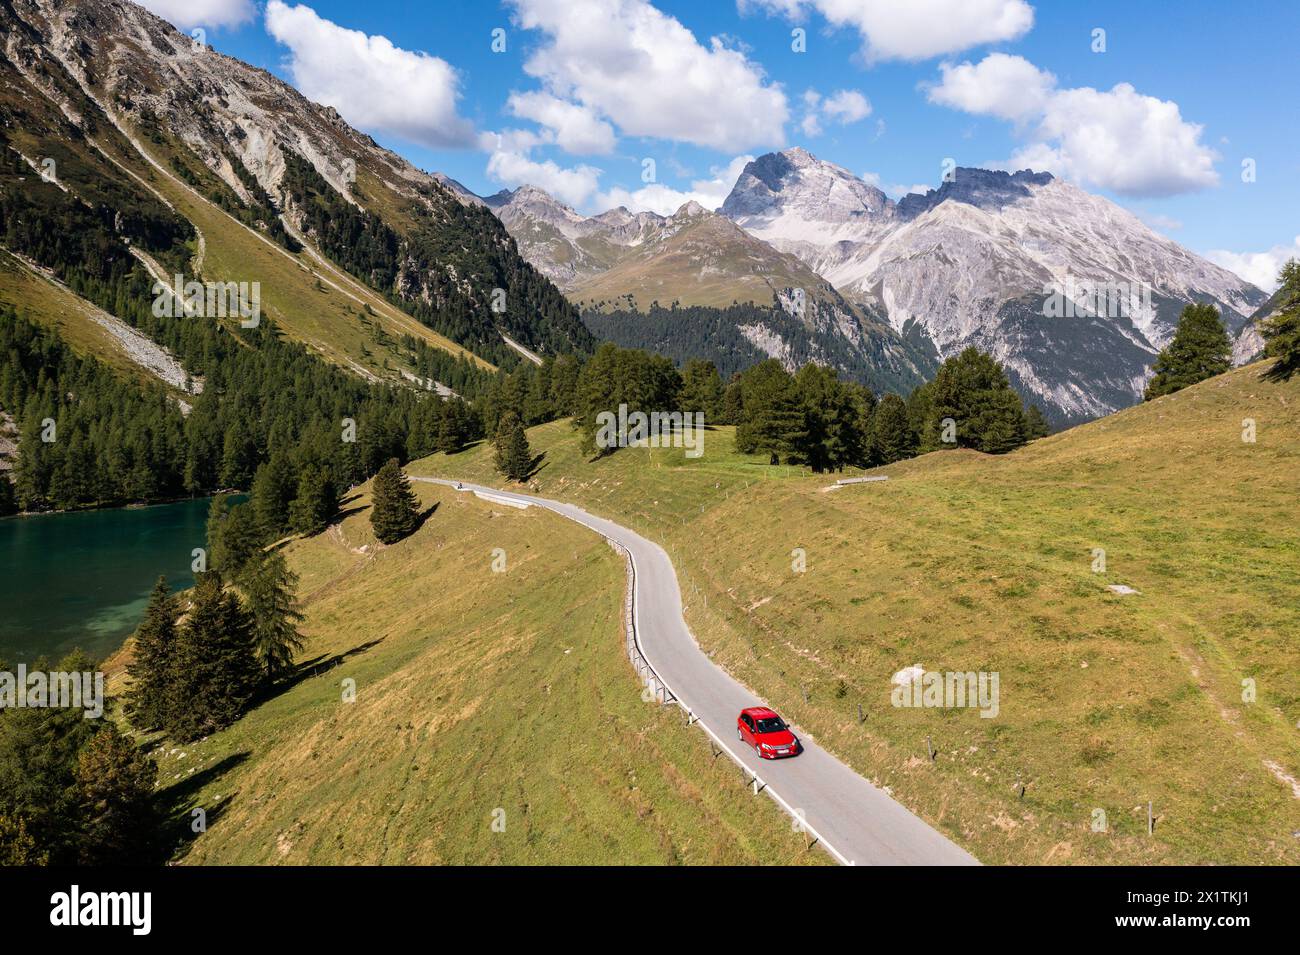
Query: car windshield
[771,725]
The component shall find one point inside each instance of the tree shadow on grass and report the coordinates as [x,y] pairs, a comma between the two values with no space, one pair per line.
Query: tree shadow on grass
[344,513]
[425,515]
[176,806]
[1280,371]
[308,669]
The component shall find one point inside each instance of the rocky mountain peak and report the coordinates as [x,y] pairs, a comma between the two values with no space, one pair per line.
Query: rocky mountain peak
[985,188]
[795,185]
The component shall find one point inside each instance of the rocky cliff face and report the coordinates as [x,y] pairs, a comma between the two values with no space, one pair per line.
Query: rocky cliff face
[1014,263]
[628,262]
[103,60]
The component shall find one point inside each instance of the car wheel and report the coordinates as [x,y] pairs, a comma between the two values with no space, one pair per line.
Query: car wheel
[739,735]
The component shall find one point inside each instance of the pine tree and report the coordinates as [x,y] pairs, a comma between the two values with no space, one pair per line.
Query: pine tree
[115,795]
[274,609]
[1035,425]
[150,697]
[972,390]
[1200,349]
[394,511]
[215,672]
[513,456]
[17,847]
[1282,331]
[273,490]
[234,538]
[39,748]
[316,502]
[772,421]
[702,389]
[452,427]
[891,438]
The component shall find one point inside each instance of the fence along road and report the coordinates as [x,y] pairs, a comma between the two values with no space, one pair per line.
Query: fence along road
[852,819]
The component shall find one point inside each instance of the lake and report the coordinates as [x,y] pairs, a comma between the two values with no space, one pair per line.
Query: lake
[82,579]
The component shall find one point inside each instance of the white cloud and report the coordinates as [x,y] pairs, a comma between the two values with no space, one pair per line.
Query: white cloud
[842,107]
[572,186]
[1118,139]
[372,83]
[999,85]
[641,70]
[665,200]
[202,13]
[846,106]
[1258,268]
[914,29]
[573,127]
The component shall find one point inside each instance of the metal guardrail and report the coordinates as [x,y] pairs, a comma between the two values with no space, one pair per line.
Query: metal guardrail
[661,691]
[654,683]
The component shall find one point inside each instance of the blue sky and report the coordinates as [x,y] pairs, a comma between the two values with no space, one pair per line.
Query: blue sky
[586,91]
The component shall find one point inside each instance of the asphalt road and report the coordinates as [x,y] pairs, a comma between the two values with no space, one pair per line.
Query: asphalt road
[858,822]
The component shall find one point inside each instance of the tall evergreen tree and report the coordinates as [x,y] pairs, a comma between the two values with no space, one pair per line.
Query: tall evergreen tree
[1200,349]
[149,697]
[830,416]
[234,537]
[972,390]
[115,792]
[891,438]
[1035,425]
[513,457]
[216,671]
[772,420]
[274,610]
[316,501]
[702,389]
[1282,331]
[453,427]
[274,486]
[17,847]
[38,766]
[394,510]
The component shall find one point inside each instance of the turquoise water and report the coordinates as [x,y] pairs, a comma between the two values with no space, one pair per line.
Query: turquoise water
[82,579]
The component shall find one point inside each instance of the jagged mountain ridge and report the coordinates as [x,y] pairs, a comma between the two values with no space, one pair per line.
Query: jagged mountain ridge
[113,64]
[629,263]
[968,264]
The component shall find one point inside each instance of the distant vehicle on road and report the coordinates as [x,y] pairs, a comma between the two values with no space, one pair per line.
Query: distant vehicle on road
[762,729]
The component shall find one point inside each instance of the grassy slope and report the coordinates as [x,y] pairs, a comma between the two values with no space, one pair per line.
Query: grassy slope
[966,562]
[310,299]
[710,262]
[46,302]
[475,690]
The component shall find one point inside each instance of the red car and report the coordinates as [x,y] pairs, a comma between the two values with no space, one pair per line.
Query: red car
[762,729]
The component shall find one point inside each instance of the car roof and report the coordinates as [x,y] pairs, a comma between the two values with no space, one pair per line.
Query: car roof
[759,712]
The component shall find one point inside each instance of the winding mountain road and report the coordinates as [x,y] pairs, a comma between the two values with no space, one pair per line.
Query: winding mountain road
[857,822]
